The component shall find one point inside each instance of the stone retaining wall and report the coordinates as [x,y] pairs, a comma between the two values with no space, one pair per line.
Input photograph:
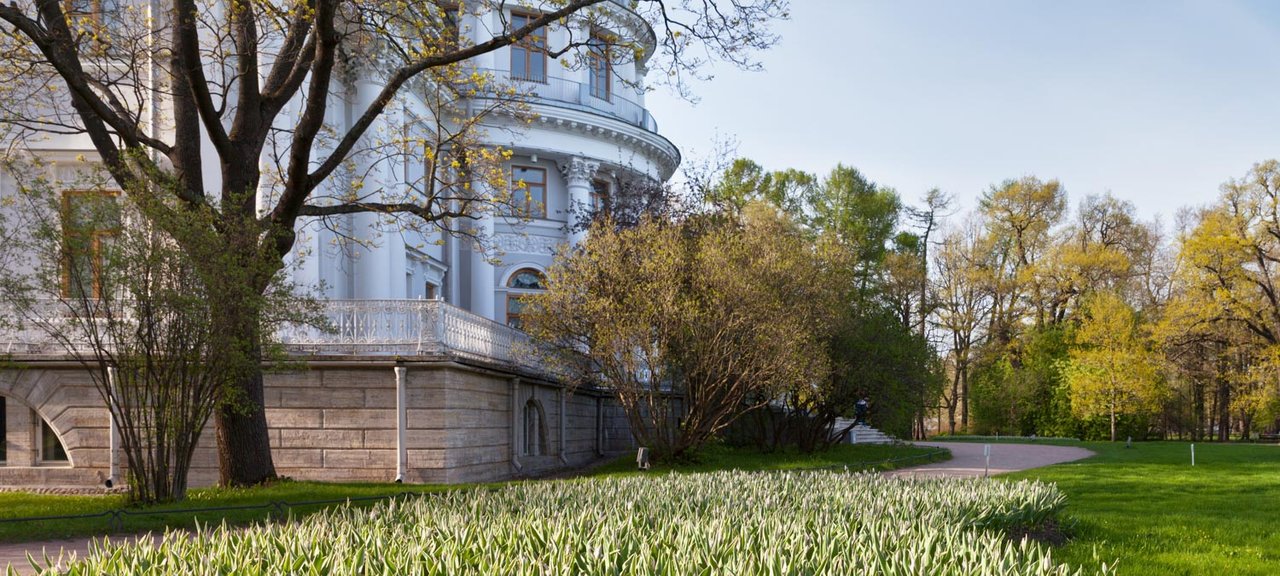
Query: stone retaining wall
[336,422]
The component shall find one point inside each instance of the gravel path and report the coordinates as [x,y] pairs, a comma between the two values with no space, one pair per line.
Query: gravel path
[967,460]
[15,555]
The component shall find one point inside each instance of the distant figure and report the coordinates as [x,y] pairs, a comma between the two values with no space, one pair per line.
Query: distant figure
[860,412]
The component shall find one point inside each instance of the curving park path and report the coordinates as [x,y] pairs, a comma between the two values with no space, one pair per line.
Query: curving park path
[967,459]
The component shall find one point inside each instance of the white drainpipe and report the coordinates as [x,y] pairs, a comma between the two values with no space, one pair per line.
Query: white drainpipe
[113,446]
[401,421]
[516,408]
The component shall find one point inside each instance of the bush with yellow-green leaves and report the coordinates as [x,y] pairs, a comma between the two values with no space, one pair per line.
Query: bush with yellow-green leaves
[719,523]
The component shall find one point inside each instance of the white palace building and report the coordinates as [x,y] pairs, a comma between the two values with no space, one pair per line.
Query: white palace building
[424,379]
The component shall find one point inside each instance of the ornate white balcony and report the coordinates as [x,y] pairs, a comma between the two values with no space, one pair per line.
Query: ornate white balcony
[371,328]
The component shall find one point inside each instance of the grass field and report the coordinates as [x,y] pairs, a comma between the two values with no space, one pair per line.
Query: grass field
[24,505]
[857,457]
[1148,508]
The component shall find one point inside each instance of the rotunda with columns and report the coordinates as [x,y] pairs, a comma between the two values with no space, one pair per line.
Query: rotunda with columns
[590,135]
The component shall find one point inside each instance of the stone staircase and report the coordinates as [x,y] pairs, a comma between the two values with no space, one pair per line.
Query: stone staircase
[863,434]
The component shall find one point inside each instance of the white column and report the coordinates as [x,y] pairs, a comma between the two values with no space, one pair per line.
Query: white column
[482,272]
[483,275]
[578,172]
[379,266]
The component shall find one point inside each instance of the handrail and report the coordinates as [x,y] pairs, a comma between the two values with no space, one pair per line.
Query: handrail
[358,328]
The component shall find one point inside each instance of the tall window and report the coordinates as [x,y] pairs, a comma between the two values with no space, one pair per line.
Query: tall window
[450,24]
[599,195]
[529,56]
[600,69]
[89,219]
[521,284]
[51,449]
[100,15]
[529,191]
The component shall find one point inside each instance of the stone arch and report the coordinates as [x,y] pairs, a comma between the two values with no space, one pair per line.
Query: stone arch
[45,394]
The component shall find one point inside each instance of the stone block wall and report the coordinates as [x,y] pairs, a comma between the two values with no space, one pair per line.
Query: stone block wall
[337,423]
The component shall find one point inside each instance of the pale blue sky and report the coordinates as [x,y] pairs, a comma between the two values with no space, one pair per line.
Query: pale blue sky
[1156,101]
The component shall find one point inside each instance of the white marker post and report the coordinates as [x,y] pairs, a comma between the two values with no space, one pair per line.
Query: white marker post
[1193,454]
[986,453]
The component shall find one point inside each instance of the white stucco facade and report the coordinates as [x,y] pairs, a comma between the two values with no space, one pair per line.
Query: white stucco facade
[578,141]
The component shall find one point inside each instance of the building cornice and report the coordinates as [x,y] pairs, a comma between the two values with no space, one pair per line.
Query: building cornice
[656,147]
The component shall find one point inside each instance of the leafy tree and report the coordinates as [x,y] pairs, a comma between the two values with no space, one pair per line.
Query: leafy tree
[1019,215]
[126,303]
[251,87]
[1111,372]
[962,308]
[722,315]
[861,215]
[745,181]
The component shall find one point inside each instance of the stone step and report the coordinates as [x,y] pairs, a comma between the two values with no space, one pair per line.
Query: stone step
[864,434]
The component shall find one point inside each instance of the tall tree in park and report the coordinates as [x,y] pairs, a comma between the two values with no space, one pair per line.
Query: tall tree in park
[1226,307]
[860,214]
[963,304]
[1019,215]
[161,89]
[1100,250]
[1111,372]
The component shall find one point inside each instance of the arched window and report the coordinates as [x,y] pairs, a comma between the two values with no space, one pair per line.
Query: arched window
[51,449]
[535,429]
[525,281]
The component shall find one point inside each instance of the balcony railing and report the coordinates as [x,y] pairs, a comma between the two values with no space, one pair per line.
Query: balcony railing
[578,96]
[355,328]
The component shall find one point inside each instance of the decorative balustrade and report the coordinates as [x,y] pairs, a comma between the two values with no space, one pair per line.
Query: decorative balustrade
[409,328]
[33,335]
[577,95]
[352,328]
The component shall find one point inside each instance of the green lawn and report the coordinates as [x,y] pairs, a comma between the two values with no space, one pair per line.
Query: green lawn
[23,505]
[1149,509]
[856,457]
[141,519]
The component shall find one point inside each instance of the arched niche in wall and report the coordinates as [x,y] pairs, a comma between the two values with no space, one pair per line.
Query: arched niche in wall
[534,426]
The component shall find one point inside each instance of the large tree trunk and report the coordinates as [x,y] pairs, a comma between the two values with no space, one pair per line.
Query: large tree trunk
[955,399]
[244,447]
[1224,410]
